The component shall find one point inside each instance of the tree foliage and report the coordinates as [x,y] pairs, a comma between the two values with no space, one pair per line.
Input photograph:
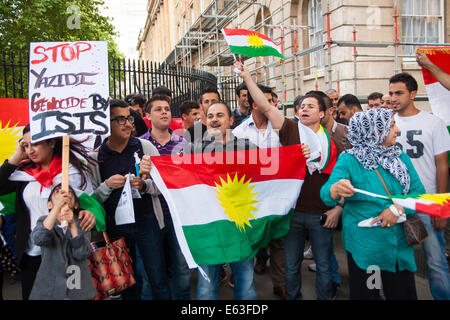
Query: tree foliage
[25,21]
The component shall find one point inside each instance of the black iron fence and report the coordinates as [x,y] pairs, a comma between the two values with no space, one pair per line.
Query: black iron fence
[126,76]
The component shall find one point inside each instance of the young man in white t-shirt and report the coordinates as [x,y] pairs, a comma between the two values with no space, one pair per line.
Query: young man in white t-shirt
[426,140]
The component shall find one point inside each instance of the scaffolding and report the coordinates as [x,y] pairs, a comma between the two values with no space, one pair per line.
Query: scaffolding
[205,40]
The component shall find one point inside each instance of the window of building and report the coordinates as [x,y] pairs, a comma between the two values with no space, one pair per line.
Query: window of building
[315,23]
[422,22]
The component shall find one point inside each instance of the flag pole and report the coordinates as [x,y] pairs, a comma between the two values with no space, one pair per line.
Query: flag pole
[65,169]
[370,194]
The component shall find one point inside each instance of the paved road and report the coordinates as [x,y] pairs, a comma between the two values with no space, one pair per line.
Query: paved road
[12,291]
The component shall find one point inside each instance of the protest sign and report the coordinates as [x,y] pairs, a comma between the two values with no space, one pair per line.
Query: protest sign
[68,89]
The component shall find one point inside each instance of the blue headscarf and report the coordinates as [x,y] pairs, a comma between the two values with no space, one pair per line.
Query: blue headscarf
[366,131]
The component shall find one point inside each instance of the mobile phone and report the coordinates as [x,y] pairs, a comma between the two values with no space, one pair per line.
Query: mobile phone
[323,219]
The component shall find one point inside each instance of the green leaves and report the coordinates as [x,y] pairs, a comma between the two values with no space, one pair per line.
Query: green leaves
[25,21]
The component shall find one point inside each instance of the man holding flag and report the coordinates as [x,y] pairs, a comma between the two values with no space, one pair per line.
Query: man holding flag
[425,139]
[309,207]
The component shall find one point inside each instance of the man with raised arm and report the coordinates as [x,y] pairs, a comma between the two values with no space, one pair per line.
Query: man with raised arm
[309,207]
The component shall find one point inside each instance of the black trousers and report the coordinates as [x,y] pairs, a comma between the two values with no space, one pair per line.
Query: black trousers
[29,267]
[399,285]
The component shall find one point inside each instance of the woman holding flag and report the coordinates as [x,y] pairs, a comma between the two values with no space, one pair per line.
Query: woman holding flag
[31,173]
[372,233]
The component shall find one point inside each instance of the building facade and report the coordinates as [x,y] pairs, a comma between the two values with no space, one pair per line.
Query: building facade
[352,46]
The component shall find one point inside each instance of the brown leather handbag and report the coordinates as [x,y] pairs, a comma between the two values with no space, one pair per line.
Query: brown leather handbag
[111,267]
[414,228]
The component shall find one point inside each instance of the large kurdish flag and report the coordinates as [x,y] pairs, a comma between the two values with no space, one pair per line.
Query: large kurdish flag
[13,117]
[438,95]
[225,211]
[251,44]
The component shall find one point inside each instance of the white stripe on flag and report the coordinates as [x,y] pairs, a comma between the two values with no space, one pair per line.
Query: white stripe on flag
[175,218]
[242,41]
[439,96]
[210,210]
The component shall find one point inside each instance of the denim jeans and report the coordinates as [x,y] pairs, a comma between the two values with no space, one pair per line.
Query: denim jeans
[145,233]
[141,276]
[434,250]
[244,286]
[178,268]
[335,267]
[294,244]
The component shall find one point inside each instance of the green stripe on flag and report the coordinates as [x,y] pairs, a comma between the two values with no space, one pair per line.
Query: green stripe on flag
[448,153]
[220,241]
[256,52]
[91,203]
[9,203]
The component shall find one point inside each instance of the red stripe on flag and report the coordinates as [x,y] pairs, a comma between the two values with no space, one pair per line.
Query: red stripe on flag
[14,110]
[435,210]
[182,171]
[440,58]
[244,32]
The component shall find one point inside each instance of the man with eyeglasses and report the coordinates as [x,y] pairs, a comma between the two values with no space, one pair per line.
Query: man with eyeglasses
[117,158]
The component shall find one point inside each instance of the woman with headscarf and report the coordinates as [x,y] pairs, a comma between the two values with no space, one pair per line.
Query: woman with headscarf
[31,172]
[378,253]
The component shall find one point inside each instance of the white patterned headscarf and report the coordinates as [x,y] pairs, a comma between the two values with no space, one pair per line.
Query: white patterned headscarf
[366,131]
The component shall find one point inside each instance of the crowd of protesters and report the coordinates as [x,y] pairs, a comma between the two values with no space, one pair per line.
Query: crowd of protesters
[391,147]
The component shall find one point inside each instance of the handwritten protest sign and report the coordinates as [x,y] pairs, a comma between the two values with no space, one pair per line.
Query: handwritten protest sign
[68,89]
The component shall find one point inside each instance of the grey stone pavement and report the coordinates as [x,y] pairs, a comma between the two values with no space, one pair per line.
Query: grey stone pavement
[263,283]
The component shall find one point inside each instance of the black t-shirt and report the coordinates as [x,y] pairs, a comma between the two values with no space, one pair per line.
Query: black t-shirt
[195,132]
[112,162]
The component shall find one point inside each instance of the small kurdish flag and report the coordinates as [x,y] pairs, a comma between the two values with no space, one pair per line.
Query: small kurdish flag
[436,205]
[225,211]
[251,44]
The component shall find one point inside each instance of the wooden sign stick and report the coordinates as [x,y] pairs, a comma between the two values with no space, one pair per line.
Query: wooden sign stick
[65,169]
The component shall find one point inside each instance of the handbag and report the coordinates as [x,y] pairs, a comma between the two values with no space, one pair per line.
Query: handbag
[7,261]
[110,266]
[414,228]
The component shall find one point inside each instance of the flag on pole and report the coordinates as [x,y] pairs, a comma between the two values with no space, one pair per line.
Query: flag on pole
[227,209]
[436,205]
[438,95]
[251,44]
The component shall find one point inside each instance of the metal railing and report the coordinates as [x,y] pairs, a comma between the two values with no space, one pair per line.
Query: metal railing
[126,76]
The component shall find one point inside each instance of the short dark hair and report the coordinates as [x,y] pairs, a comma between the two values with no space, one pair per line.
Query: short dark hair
[241,86]
[297,102]
[230,114]
[375,96]
[162,91]
[350,101]
[209,90]
[264,89]
[58,187]
[326,99]
[318,96]
[137,98]
[407,79]
[117,103]
[187,106]
[156,97]
[274,95]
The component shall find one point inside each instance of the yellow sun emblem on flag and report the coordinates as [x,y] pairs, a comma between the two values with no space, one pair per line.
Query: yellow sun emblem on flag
[439,198]
[255,41]
[237,199]
[8,140]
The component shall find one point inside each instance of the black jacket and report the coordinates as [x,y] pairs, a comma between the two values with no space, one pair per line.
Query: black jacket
[23,223]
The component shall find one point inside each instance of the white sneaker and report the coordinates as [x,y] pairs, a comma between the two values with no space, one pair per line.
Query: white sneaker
[312,267]
[308,254]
